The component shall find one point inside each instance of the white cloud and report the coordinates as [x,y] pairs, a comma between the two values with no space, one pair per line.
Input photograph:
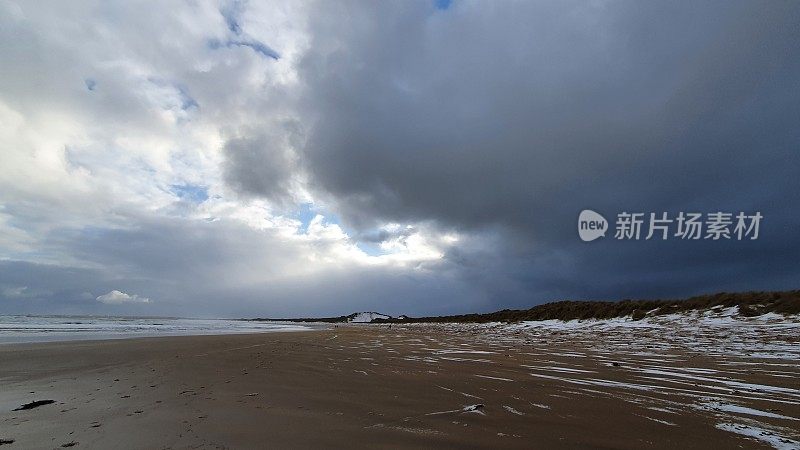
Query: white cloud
[116,297]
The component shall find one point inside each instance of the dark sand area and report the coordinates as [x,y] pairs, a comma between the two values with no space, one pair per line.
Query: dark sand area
[409,386]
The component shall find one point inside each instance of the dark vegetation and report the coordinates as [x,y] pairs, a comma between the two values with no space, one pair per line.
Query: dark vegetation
[338,319]
[750,304]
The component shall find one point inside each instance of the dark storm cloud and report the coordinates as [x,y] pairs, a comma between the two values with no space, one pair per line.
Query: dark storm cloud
[382,235]
[29,288]
[263,163]
[507,120]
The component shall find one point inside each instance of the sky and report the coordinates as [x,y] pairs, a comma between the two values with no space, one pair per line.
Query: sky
[311,158]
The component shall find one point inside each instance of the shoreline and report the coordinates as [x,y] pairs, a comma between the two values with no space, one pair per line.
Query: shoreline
[110,328]
[123,337]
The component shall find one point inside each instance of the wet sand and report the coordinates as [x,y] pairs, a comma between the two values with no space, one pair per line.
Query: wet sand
[462,386]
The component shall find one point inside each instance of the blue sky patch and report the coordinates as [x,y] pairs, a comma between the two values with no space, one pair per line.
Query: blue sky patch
[258,47]
[190,192]
[370,248]
[442,4]
[187,102]
[231,13]
[305,215]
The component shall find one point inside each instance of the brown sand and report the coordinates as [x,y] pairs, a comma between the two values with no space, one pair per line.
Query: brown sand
[371,386]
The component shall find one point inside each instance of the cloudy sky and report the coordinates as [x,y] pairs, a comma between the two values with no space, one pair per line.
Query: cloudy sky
[279,158]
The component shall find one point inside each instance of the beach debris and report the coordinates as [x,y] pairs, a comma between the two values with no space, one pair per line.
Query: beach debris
[34,404]
[476,408]
[70,444]
[6,441]
[252,394]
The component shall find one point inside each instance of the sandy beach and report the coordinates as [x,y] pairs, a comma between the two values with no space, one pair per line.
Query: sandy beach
[465,386]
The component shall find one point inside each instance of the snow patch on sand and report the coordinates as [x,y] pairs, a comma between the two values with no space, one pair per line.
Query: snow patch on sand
[494,378]
[512,410]
[736,409]
[761,434]
[658,420]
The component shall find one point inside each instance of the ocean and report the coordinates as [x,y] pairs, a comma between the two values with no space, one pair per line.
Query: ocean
[19,329]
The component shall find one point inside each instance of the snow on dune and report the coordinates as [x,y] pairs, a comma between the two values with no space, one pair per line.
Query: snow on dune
[367,316]
[716,317]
